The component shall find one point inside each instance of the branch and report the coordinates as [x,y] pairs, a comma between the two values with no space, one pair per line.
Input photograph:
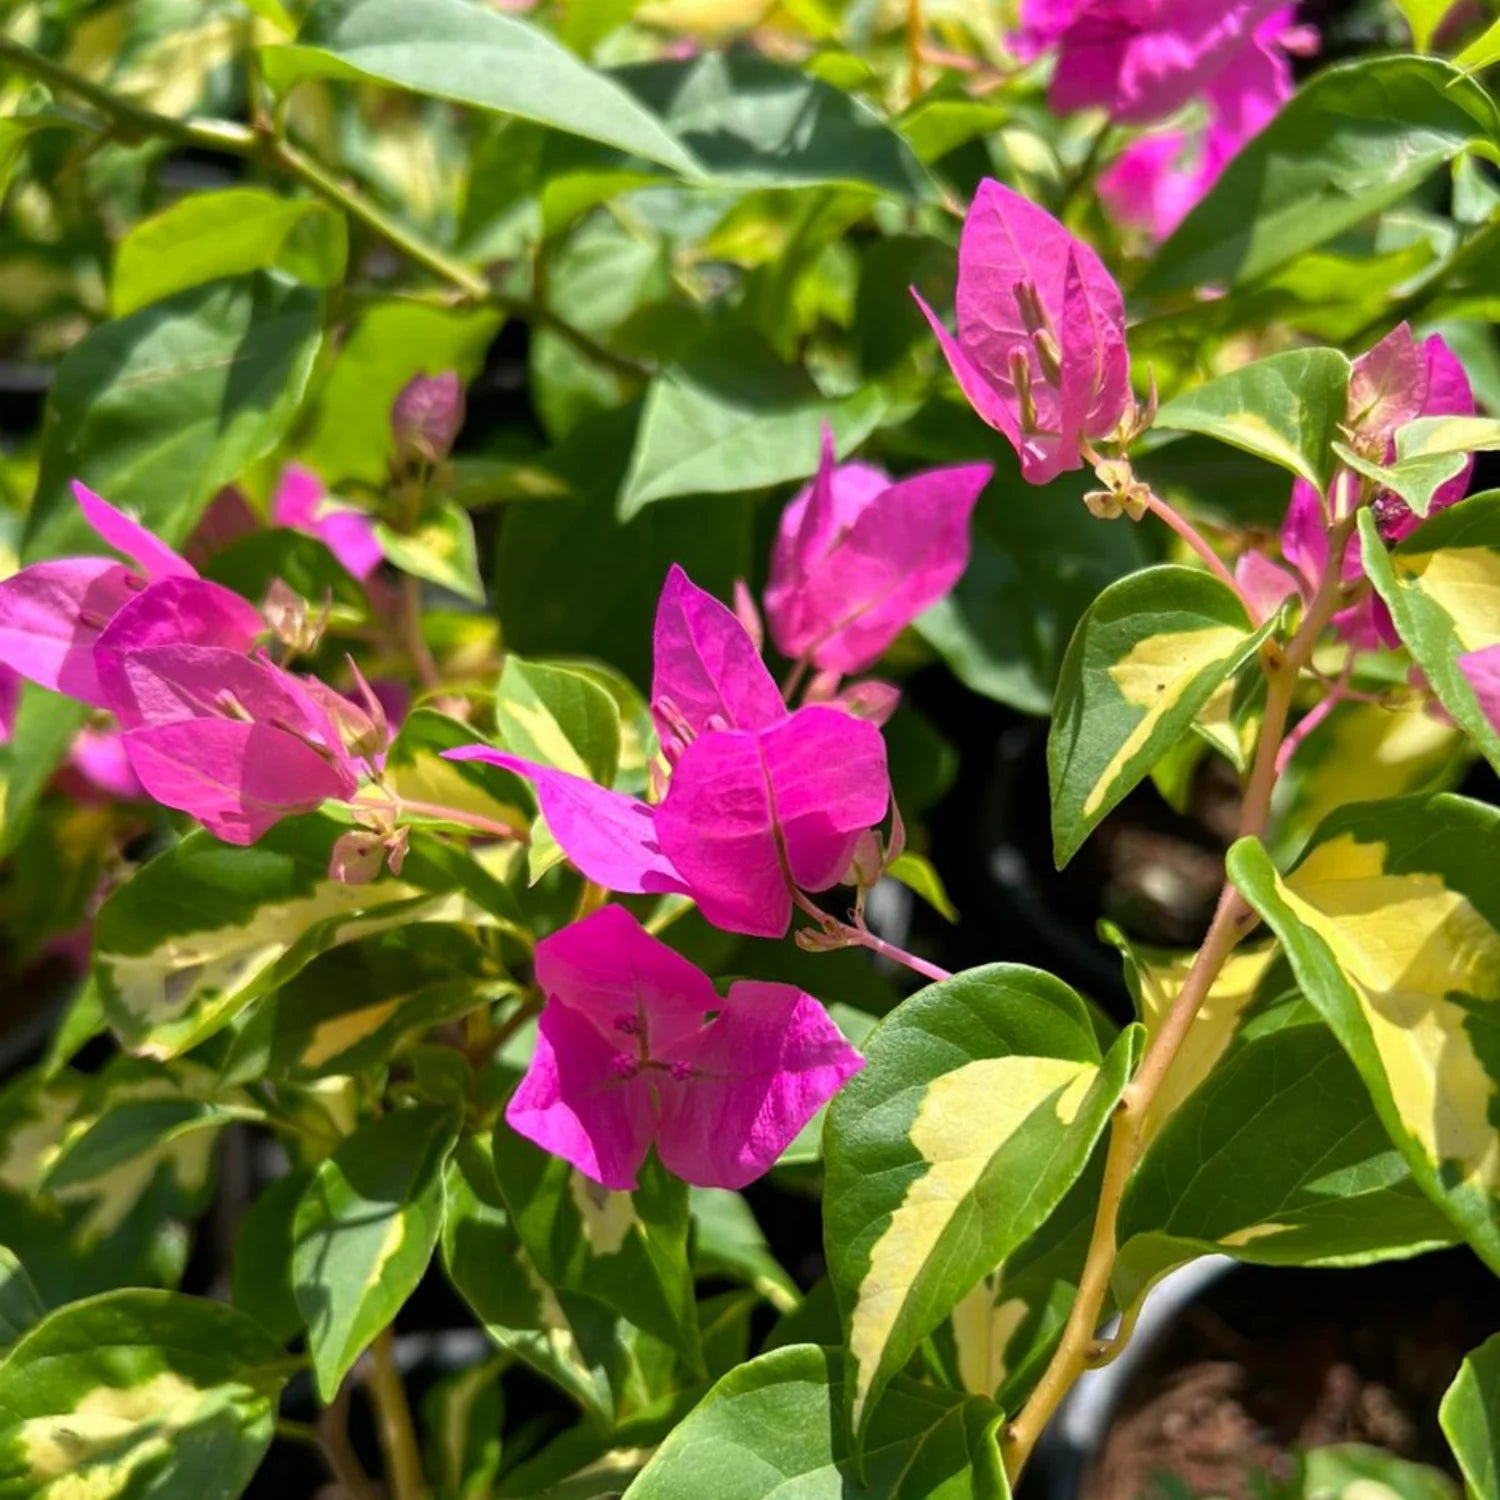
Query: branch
[398,1437]
[1079,1347]
[132,123]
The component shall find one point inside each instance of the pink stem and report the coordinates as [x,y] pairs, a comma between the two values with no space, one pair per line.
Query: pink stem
[479,824]
[864,938]
[793,679]
[1312,718]
[1189,533]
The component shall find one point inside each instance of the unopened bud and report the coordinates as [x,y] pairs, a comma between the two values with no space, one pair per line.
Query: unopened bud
[747,614]
[357,857]
[1048,354]
[867,863]
[291,621]
[1020,375]
[427,416]
[1103,505]
[819,940]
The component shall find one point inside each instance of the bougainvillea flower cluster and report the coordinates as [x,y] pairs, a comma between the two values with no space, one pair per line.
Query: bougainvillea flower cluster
[636,1049]
[1040,346]
[209,725]
[1146,60]
[759,802]
[1392,383]
[858,557]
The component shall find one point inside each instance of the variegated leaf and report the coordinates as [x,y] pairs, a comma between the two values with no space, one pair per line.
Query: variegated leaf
[138,1393]
[978,1106]
[1148,656]
[1391,921]
[207,927]
[1470,1415]
[364,1232]
[774,1428]
[1442,586]
[1285,408]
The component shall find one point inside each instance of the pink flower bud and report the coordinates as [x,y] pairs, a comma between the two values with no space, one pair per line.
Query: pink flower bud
[427,416]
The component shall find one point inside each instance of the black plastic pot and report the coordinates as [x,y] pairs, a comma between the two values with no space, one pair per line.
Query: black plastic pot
[1228,1359]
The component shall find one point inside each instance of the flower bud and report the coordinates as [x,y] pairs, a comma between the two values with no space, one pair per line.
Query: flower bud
[427,416]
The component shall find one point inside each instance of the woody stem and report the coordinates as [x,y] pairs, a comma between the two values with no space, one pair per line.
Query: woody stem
[1191,535]
[1079,1347]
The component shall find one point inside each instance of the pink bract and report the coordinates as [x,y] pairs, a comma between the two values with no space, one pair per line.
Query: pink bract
[1040,347]
[301,504]
[751,813]
[627,1059]
[858,558]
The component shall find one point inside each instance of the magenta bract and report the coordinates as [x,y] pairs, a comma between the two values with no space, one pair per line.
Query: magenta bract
[301,504]
[1040,347]
[759,802]
[627,1059]
[858,558]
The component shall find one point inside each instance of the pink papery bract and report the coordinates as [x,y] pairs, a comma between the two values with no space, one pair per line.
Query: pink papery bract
[707,673]
[51,616]
[1040,347]
[1142,60]
[238,779]
[301,504]
[858,558]
[746,817]
[627,1058]
[155,559]
[1482,668]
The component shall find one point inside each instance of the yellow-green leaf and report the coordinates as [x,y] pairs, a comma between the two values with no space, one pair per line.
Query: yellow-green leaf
[1146,658]
[1391,921]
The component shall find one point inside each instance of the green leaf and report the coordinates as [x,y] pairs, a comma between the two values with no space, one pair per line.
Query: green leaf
[1276,1157]
[751,122]
[349,436]
[416,771]
[1286,408]
[160,410]
[730,417]
[1482,51]
[1429,452]
[137,1393]
[560,717]
[364,1232]
[251,564]
[979,1103]
[627,1251]
[729,1242]
[206,236]
[1350,142]
[46,724]
[470,54]
[567,573]
[1145,659]
[129,1129]
[206,927]
[440,549]
[1423,17]
[1470,1415]
[1354,1469]
[775,1427]
[1442,586]
[1390,922]
[571,1340]
[462,1418]
[349,1010]
[261,1285]
[916,873]
[20,1307]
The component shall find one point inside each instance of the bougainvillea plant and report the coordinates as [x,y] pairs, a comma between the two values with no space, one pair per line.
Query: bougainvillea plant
[498,505]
